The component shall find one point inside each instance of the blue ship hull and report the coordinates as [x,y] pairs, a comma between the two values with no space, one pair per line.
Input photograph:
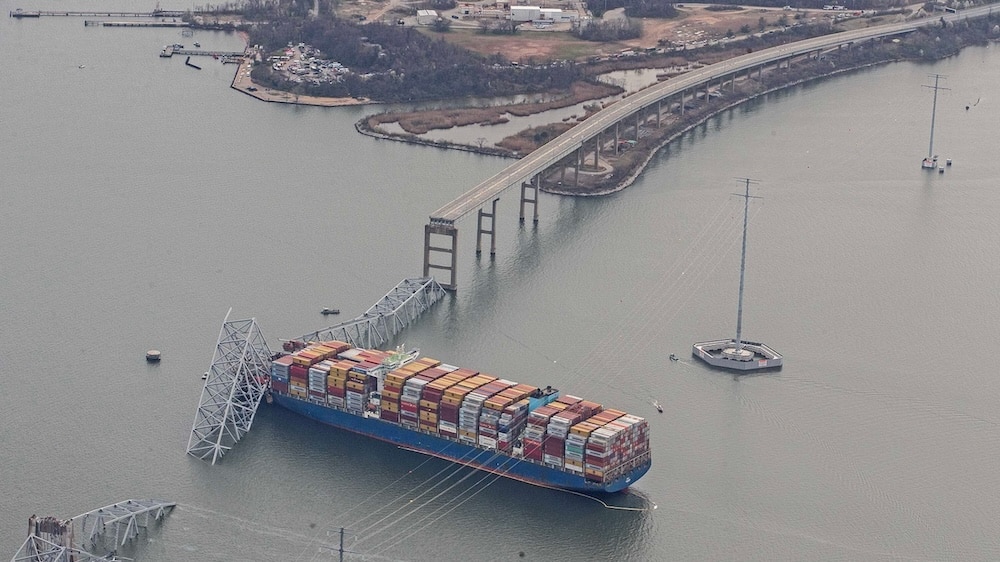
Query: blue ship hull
[481,458]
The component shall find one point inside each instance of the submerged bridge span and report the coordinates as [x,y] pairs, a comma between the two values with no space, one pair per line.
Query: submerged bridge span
[623,120]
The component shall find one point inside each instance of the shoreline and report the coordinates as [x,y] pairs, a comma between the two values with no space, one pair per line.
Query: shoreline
[631,169]
[242,81]
[637,171]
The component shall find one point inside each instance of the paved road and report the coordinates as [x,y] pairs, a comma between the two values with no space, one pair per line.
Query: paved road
[571,140]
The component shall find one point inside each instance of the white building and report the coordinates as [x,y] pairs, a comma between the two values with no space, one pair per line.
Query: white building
[556,15]
[525,13]
[426,17]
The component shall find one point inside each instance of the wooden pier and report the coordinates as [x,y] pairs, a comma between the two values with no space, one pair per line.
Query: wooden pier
[90,23]
[170,51]
[19,13]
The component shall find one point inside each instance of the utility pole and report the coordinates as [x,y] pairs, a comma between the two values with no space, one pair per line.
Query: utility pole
[340,549]
[935,87]
[743,259]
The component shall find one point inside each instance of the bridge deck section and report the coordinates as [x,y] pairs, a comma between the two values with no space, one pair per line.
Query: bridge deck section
[565,144]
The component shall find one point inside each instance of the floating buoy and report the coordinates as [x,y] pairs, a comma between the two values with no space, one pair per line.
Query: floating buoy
[153,356]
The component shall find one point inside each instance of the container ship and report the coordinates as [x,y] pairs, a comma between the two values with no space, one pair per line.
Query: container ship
[519,431]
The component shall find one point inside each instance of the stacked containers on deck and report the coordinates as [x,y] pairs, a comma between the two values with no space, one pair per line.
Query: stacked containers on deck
[316,375]
[451,407]
[409,400]
[472,406]
[359,384]
[336,383]
[559,425]
[466,380]
[431,399]
[392,389]
[427,406]
[478,409]
[279,374]
[576,441]
[538,421]
[317,381]
[511,423]
[493,408]
[616,448]
[298,372]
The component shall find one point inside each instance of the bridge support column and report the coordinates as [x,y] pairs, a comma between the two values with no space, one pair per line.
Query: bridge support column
[576,167]
[597,152]
[534,198]
[638,120]
[682,103]
[451,233]
[659,113]
[618,139]
[492,215]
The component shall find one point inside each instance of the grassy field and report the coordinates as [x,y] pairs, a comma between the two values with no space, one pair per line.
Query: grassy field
[525,45]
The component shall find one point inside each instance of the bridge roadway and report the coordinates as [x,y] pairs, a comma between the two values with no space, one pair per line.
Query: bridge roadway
[572,140]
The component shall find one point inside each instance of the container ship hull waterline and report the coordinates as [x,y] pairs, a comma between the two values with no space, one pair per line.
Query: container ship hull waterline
[518,431]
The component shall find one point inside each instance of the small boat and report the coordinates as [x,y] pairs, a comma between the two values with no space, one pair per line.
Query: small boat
[326,311]
[153,356]
[657,406]
[204,376]
[197,45]
[673,357]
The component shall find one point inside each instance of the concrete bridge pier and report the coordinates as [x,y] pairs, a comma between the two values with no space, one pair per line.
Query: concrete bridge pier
[578,158]
[597,156]
[492,230]
[537,180]
[451,251]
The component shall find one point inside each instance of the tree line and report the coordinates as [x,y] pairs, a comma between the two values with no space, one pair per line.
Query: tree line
[396,63]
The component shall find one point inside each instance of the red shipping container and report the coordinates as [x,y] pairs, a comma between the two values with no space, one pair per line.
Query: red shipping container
[335,391]
[281,387]
[389,416]
[298,371]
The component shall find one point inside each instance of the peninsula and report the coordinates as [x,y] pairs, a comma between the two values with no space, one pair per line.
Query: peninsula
[451,55]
